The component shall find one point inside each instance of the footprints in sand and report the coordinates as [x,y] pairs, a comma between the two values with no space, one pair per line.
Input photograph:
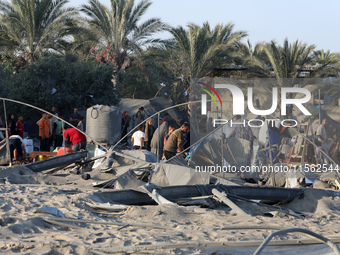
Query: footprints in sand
[6,221]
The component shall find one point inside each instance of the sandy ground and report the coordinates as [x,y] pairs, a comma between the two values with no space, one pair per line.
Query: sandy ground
[24,230]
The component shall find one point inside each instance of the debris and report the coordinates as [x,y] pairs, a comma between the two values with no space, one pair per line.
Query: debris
[275,208]
[222,197]
[156,197]
[86,176]
[51,210]
[108,206]
[112,223]
[58,161]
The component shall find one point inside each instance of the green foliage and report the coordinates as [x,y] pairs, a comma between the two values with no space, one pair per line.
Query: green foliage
[203,48]
[116,32]
[5,76]
[34,27]
[77,84]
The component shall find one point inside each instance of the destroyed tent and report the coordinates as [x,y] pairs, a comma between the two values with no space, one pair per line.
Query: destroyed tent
[289,178]
[132,169]
[333,132]
[4,152]
[142,155]
[225,146]
[167,174]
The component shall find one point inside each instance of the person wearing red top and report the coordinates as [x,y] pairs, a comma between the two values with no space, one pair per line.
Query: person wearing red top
[66,149]
[19,126]
[77,138]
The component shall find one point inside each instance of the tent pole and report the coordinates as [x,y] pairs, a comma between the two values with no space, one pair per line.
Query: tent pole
[8,155]
[320,106]
[158,134]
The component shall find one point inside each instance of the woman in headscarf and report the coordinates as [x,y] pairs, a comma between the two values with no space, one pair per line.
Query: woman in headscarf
[13,124]
[149,131]
[125,125]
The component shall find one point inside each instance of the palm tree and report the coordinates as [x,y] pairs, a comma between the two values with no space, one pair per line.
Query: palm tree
[116,32]
[285,60]
[33,27]
[326,63]
[203,48]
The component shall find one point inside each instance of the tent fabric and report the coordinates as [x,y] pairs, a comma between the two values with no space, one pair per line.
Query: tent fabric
[4,153]
[142,155]
[127,181]
[152,106]
[174,175]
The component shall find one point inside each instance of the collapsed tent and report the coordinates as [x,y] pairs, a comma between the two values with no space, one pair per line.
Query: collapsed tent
[226,146]
[173,175]
[4,152]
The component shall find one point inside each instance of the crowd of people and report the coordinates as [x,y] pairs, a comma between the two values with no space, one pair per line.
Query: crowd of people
[52,133]
[165,141]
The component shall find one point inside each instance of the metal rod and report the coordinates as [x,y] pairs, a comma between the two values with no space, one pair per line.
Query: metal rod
[158,134]
[325,240]
[8,154]
[320,106]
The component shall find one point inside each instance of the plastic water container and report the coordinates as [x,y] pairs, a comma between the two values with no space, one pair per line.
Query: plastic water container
[103,123]
[28,145]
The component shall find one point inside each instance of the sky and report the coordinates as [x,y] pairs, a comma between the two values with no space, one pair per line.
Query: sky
[312,22]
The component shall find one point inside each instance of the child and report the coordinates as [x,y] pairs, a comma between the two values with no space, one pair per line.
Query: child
[80,125]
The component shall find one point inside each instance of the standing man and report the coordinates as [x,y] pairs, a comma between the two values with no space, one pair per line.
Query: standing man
[175,142]
[75,117]
[26,126]
[78,139]
[52,120]
[44,133]
[58,130]
[322,137]
[138,138]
